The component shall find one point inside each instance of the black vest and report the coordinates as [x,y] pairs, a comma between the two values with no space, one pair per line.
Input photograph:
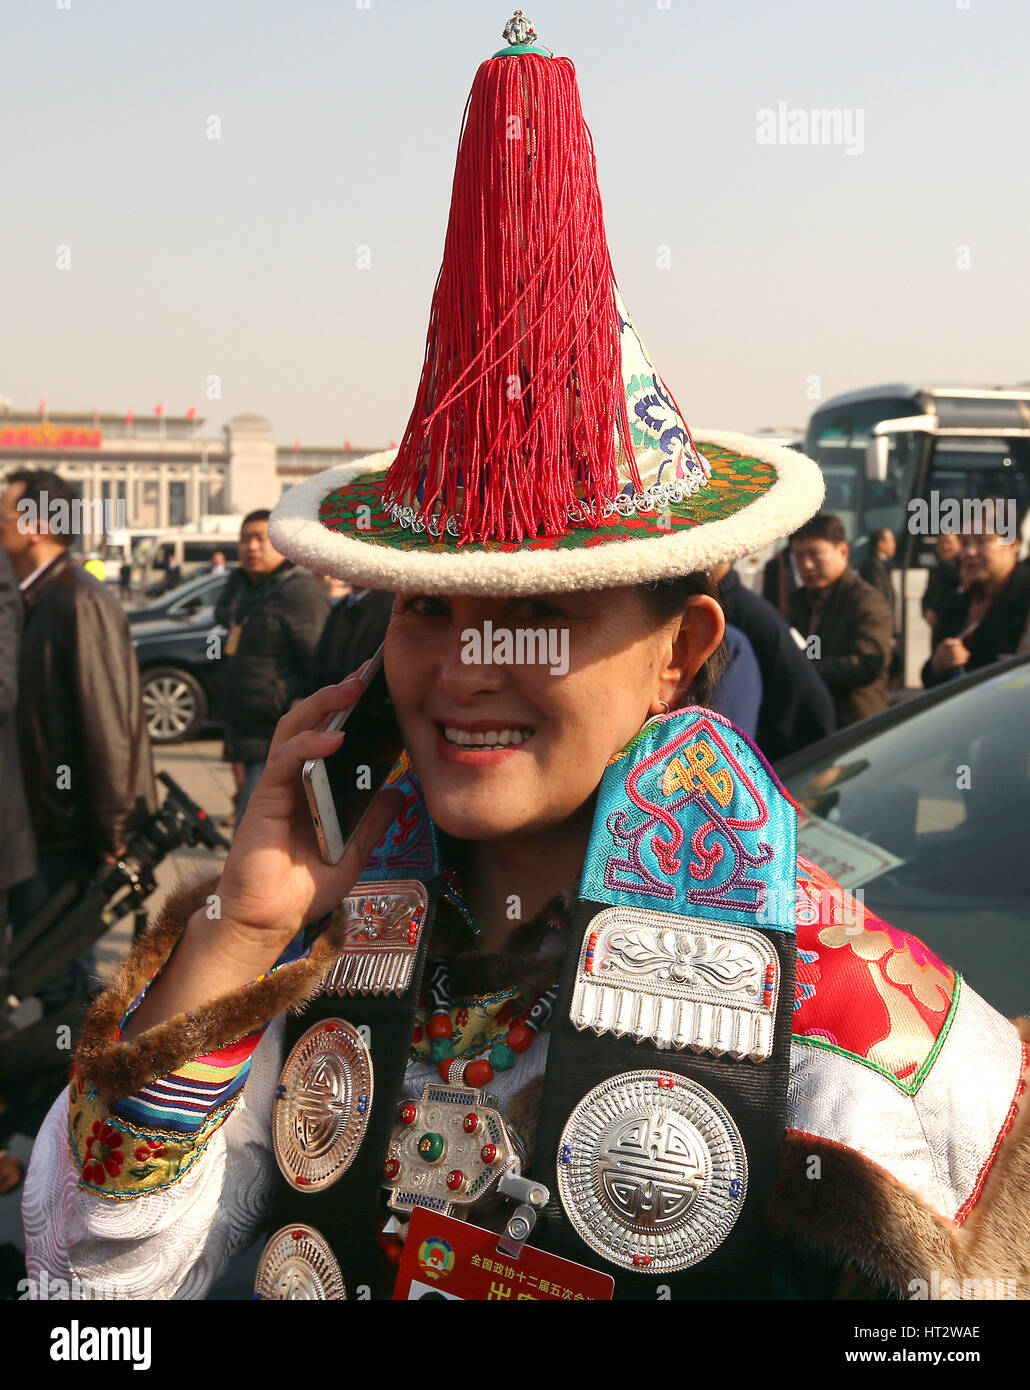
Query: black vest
[664,1095]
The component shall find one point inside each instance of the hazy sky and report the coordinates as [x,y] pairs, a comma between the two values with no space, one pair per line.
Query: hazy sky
[237,257]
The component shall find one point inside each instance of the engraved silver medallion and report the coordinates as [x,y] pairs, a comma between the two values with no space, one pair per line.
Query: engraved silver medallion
[677,981]
[322,1104]
[298,1264]
[378,928]
[652,1171]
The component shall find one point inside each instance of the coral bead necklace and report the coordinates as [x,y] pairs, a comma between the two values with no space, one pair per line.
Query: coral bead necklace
[502,1056]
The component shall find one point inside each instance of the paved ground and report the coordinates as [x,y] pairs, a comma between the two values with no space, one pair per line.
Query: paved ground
[198,769]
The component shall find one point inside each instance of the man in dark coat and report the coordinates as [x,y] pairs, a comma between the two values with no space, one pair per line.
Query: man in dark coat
[943,579]
[274,613]
[82,736]
[847,623]
[984,620]
[876,568]
[796,707]
[353,632]
[17,846]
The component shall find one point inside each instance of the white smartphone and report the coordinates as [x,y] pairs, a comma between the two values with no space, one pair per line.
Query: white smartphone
[341,787]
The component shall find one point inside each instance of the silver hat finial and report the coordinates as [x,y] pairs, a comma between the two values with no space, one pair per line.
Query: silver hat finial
[519,29]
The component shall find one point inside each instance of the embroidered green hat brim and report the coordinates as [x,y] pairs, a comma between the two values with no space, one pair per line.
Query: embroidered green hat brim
[336,523]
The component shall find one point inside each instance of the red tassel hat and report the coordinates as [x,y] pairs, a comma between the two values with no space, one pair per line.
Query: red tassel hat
[544,453]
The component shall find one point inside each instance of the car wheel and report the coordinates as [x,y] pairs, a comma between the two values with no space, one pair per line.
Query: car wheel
[174,704]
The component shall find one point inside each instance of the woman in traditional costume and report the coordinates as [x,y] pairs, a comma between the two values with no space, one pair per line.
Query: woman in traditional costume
[571,1016]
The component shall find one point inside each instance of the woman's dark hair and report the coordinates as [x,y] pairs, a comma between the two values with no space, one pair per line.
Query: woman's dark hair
[667,598]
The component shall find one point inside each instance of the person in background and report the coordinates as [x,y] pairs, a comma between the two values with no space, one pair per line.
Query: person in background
[95,566]
[984,620]
[779,580]
[353,632]
[876,570]
[17,845]
[737,692]
[274,613]
[218,565]
[848,625]
[82,737]
[876,567]
[796,708]
[173,574]
[943,580]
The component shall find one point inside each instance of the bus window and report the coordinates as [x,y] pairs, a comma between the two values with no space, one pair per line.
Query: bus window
[837,438]
[962,470]
[886,503]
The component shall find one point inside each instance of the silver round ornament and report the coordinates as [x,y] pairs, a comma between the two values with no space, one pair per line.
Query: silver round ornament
[297,1264]
[322,1105]
[652,1171]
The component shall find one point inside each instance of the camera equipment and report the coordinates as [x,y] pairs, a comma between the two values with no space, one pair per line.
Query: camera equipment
[86,907]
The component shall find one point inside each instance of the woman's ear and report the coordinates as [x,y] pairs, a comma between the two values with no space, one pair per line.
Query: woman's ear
[700,632]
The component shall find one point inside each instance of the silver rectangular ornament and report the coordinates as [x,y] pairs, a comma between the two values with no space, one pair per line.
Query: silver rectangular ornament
[378,927]
[678,982]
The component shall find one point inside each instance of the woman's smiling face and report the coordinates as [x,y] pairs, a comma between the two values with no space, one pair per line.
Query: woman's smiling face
[510,747]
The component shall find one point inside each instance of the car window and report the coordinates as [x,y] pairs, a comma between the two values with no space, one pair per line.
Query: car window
[929,819]
[197,594]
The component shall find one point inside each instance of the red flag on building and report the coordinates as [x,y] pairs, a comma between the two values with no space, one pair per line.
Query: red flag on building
[42,407]
[129,417]
[296,445]
[191,413]
[159,410]
[347,445]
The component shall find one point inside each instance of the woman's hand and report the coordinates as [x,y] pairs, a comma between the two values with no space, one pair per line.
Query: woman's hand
[275,880]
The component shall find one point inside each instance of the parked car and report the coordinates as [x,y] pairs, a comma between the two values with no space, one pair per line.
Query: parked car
[185,601]
[926,808]
[179,649]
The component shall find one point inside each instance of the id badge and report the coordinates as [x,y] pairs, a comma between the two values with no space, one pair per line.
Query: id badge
[232,640]
[454,1260]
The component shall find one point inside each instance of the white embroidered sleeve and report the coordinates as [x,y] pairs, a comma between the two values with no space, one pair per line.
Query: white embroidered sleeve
[171,1243]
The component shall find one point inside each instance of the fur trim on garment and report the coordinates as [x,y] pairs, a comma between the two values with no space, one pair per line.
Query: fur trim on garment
[119,1068]
[854,1211]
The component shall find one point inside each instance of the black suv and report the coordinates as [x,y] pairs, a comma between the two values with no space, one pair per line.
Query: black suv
[179,649]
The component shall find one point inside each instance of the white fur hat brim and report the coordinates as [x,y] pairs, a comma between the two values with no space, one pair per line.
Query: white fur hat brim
[296,532]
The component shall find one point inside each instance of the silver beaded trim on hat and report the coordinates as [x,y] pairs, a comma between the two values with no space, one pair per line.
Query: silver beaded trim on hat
[652,500]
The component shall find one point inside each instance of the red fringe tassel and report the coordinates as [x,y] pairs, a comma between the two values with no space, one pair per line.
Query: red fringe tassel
[521,396]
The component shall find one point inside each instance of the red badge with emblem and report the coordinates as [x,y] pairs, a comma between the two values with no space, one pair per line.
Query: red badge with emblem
[449,1259]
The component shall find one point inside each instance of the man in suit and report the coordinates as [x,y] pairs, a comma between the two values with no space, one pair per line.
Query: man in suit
[876,568]
[354,631]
